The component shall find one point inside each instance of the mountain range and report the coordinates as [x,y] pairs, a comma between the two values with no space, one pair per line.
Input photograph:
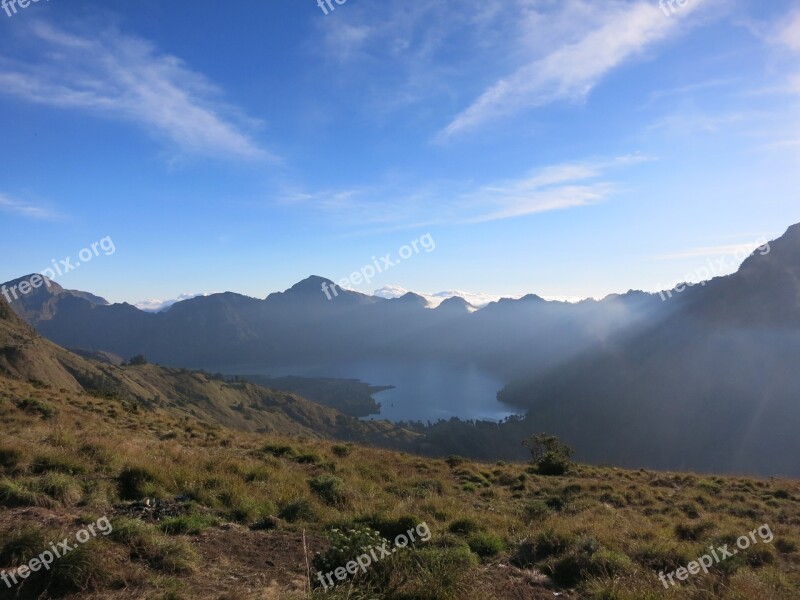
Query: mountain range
[702,379]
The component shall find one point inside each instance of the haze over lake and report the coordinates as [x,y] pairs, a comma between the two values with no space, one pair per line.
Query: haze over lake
[422,390]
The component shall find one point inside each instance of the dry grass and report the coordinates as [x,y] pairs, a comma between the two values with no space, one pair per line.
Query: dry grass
[597,533]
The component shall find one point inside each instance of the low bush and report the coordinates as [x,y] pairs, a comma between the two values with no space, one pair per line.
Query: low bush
[485,545]
[138,483]
[464,527]
[329,488]
[298,510]
[187,524]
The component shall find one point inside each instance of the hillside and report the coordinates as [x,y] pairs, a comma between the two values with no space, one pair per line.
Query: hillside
[229,513]
[221,490]
[27,356]
[712,386]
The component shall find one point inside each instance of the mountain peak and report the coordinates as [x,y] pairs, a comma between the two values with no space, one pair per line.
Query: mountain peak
[33,282]
[313,283]
[411,298]
[319,290]
[456,304]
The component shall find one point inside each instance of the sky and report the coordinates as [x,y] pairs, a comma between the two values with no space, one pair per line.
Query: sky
[568,148]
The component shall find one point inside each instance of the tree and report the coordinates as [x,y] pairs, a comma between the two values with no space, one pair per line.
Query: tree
[550,455]
[137,361]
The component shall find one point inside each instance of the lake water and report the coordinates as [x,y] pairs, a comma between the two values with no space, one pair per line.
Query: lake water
[424,391]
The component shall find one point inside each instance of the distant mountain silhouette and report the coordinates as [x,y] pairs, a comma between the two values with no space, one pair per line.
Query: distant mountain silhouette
[306,325]
[40,303]
[706,380]
[711,385]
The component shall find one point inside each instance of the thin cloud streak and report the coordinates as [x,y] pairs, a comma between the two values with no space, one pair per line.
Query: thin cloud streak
[551,188]
[126,77]
[711,251]
[26,209]
[619,31]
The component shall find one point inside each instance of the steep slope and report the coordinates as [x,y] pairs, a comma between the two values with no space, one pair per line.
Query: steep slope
[41,300]
[712,386]
[24,355]
[203,512]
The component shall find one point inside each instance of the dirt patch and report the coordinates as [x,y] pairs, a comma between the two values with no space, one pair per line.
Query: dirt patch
[12,518]
[506,582]
[235,559]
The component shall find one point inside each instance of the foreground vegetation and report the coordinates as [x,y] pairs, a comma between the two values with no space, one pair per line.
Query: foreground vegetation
[200,511]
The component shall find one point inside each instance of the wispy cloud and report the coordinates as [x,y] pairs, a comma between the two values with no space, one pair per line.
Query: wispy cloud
[121,76]
[614,33]
[712,251]
[548,189]
[692,88]
[789,31]
[545,189]
[26,209]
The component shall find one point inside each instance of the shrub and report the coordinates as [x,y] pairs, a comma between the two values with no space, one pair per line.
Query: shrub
[37,407]
[15,494]
[346,546]
[427,574]
[187,524]
[556,503]
[131,532]
[59,464]
[390,527]
[10,458]
[537,509]
[329,488]
[758,556]
[464,527]
[61,488]
[423,488]
[309,459]
[279,450]
[138,483]
[550,455]
[340,450]
[98,454]
[88,567]
[485,545]
[172,556]
[693,532]
[22,545]
[546,544]
[257,475]
[609,563]
[146,543]
[299,510]
[454,460]
[570,569]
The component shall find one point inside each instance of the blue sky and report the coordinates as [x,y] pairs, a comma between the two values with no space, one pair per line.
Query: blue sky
[562,147]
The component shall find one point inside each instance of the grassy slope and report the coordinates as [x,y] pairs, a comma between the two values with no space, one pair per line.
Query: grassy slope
[26,355]
[600,532]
